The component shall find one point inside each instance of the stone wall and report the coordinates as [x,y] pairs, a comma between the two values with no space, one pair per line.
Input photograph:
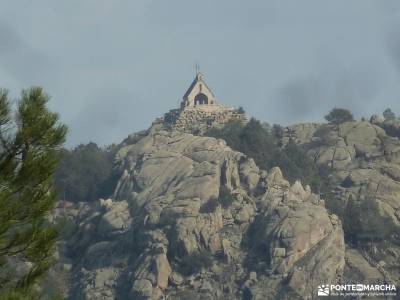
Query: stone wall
[197,120]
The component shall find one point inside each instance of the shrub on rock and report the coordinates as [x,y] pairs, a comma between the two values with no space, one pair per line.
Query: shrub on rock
[339,115]
[194,262]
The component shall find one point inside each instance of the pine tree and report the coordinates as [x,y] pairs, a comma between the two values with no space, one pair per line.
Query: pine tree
[85,173]
[30,141]
[389,115]
[339,115]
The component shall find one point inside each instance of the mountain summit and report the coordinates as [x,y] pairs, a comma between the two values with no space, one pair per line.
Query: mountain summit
[200,111]
[192,218]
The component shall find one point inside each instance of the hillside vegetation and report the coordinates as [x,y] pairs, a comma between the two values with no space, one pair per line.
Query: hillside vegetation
[262,143]
[246,211]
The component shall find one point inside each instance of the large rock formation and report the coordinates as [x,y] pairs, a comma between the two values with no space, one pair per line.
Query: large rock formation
[193,219]
[364,167]
[365,162]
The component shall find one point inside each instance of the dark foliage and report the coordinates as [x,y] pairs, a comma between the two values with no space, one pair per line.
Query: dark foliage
[296,165]
[362,222]
[231,133]
[277,133]
[29,153]
[391,128]
[258,252]
[325,135]
[193,263]
[210,206]
[225,197]
[351,221]
[263,145]
[252,139]
[347,182]
[66,228]
[241,110]
[86,173]
[339,116]
[389,115]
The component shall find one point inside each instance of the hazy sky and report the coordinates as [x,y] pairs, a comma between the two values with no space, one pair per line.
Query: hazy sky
[112,66]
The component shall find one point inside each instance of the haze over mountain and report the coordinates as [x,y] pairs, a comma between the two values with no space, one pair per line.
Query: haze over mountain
[111,67]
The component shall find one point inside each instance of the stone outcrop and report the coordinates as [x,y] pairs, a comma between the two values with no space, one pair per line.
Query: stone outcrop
[198,119]
[359,269]
[364,166]
[193,219]
[364,160]
[304,244]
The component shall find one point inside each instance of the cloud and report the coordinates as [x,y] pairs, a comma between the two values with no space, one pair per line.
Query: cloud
[393,47]
[309,98]
[20,60]
[10,41]
[100,59]
[299,96]
[108,116]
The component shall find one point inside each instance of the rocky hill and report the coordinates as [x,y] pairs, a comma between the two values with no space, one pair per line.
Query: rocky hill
[363,164]
[193,219]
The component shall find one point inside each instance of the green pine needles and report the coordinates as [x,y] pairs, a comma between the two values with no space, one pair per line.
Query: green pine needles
[30,142]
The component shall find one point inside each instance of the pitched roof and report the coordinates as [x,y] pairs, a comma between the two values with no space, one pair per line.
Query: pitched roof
[199,77]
